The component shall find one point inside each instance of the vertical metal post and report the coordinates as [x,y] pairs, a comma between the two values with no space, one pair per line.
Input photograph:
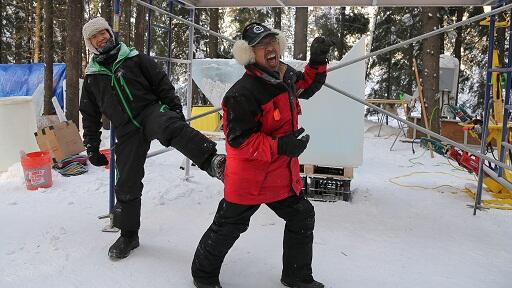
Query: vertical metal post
[483,142]
[189,75]
[506,102]
[148,40]
[112,171]
[169,40]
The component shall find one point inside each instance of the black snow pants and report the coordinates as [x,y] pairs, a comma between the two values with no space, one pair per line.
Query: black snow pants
[131,150]
[233,219]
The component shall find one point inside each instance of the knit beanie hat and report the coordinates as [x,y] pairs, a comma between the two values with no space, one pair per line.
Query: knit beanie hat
[92,27]
[251,35]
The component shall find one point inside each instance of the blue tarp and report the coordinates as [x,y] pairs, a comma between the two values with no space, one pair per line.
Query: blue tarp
[23,79]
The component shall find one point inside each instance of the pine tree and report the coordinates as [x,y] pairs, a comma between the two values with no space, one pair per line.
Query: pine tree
[73,59]
[277,12]
[391,73]
[474,60]
[342,25]
[300,39]
[126,26]
[37,31]
[140,26]
[48,56]
[430,72]
[2,41]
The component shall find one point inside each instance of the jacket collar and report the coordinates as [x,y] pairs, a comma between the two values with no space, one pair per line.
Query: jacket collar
[272,77]
[124,53]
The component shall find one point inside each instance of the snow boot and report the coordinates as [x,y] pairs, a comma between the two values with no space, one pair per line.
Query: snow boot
[298,284]
[201,285]
[123,246]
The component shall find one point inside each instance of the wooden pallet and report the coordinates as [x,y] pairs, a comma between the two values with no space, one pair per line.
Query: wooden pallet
[343,173]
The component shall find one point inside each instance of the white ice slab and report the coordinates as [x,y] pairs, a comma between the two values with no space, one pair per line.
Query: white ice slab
[335,122]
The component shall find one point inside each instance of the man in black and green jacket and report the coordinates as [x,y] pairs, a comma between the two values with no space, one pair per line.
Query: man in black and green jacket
[136,95]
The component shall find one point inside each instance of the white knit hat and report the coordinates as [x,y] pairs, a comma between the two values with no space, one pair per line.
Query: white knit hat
[92,27]
[243,52]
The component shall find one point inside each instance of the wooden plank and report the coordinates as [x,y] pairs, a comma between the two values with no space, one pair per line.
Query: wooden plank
[422,101]
[342,173]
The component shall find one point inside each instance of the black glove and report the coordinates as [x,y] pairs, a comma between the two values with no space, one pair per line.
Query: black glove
[96,158]
[217,166]
[291,145]
[320,47]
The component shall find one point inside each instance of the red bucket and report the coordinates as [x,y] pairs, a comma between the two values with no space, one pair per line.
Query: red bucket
[106,152]
[37,169]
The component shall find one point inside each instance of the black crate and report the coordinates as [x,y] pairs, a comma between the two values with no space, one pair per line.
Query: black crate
[326,189]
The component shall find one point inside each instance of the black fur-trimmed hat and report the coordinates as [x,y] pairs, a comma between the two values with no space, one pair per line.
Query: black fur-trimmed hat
[251,35]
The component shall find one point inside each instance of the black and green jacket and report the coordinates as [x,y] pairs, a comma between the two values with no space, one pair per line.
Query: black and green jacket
[121,93]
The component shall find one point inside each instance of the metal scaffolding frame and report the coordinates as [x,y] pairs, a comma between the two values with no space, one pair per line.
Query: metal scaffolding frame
[303,3]
[501,164]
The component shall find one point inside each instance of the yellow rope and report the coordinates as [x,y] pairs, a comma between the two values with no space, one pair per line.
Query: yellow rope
[500,204]
[392,180]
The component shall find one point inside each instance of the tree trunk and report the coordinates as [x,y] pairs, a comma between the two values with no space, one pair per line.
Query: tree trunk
[500,39]
[106,10]
[431,47]
[301,33]
[37,32]
[19,24]
[73,58]
[126,26]
[213,42]
[457,49]
[340,46]
[277,12]
[48,56]
[2,52]
[138,39]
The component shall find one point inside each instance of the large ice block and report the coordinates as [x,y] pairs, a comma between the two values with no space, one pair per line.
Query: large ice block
[336,122]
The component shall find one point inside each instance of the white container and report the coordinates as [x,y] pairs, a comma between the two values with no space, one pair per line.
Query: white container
[335,122]
[17,127]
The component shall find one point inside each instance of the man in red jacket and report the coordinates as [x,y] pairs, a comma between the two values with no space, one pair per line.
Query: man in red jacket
[263,143]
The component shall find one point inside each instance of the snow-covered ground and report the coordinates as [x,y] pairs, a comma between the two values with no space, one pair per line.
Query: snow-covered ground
[389,236]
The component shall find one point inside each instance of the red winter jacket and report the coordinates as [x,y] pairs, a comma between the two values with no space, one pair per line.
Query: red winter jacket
[259,108]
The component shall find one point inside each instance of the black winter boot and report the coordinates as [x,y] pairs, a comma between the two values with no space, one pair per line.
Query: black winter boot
[201,285]
[301,284]
[123,246]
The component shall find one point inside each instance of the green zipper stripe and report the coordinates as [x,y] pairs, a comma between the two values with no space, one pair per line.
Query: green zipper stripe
[118,175]
[124,102]
[125,87]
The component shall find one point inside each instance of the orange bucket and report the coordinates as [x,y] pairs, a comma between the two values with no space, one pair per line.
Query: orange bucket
[106,152]
[37,170]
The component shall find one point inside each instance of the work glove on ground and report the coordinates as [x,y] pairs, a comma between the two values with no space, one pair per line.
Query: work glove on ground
[320,48]
[291,145]
[96,158]
[217,166]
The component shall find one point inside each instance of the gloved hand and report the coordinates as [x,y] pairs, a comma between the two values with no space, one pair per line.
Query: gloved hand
[291,145]
[96,158]
[320,47]
[217,166]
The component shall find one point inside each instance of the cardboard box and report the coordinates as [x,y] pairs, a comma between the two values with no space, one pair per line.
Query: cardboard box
[61,140]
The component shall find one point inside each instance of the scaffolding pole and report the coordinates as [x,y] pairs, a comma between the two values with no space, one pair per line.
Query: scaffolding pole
[385,50]
[189,78]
